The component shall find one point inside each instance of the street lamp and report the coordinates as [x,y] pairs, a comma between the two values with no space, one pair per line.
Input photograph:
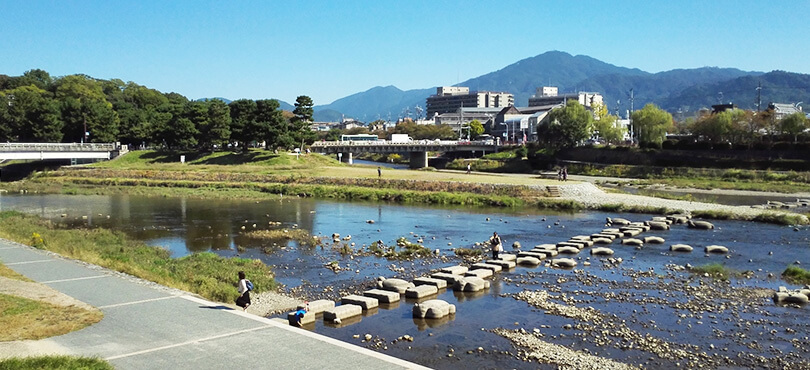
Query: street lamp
[507,130]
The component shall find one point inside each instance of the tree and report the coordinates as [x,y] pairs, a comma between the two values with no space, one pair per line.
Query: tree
[299,125]
[565,127]
[605,125]
[30,115]
[793,124]
[217,128]
[85,109]
[476,128]
[272,125]
[651,125]
[244,129]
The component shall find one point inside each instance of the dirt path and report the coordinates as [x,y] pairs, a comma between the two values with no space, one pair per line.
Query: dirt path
[39,292]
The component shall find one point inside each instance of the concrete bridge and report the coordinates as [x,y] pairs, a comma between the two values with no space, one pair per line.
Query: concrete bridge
[417,149]
[71,151]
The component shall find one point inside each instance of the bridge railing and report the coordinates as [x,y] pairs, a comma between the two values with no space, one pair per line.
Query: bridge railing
[409,143]
[58,147]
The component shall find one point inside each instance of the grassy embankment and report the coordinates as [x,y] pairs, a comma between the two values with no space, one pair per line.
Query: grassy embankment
[54,363]
[206,274]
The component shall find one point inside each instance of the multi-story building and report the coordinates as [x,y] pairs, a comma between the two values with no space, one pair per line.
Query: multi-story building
[450,99]
[548,95]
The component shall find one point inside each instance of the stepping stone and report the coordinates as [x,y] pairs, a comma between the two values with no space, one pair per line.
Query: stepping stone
[358,300]
[581,237]
[632,232]
[656,225]
[568,250]
[569,245]
[481,273]
[678,219]
[421,291]
[528,261]
[318,306]
[455,270]
[433,309]
[640,225]
[481,265]
[507,257]
[633,241]
[383,296]
[584,243]
[662,219]
[438,283]
[546,246]
[470,284]
[611,230]
[504,264]
[449,278]
[654,240]
[539,256]
[703,225]
[716,249]
[615,234]
[394,285]
[602,251]
[680,248]
[618,221]
[601,240]
[342,312]
[563,262]
[603,236]
[547,252]
[308,318]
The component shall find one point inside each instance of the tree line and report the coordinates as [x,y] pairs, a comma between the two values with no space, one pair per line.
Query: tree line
[37,107]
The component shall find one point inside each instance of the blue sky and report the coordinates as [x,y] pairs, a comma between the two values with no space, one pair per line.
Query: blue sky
[327,50]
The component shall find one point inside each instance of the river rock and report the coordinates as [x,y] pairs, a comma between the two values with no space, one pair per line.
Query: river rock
[481,265]
[580,237]
[618,221]
[438,283]
[528,261]
[654,240]
[504,264]
[551,247]
[563,262]
[547,252]
[455,270]
[631,232]
[318,306]
[516,245]
[342,312]
[582,243]
[680,248]
[716,249]
[449,278]
[641,226]
[702,225]
[394,285]
[384,296]
[662,219]
[358,300]
[633,241]
[602,251]
[568,250]
[796,298]
[657,225]
[470,284]
[577,246]
[433,309]
[421,291]
[679,219]
[481,273]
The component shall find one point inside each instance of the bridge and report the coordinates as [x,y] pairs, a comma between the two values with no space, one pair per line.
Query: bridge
[71,151]
[417,148]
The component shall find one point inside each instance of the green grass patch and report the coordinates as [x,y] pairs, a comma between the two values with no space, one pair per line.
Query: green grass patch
[55,363]
[715,270]
[403,249]
[206,274]
[468,252]
[796,275]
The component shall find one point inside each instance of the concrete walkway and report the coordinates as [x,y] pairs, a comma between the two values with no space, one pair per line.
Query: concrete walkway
[150,326]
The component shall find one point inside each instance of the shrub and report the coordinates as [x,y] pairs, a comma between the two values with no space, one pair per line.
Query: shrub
[714,270]
[796,275]
[468,252]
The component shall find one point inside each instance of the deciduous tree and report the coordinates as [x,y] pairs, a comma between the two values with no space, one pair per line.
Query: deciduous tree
[651,125]
[565,127]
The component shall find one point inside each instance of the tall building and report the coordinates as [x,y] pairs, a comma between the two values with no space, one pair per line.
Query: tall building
[450,99]
[548,95]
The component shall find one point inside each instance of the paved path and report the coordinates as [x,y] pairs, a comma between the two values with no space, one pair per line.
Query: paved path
[150,326]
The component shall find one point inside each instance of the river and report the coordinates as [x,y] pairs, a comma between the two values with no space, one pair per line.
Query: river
[189,225]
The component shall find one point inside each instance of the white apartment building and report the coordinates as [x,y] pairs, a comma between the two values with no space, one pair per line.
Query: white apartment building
[449,99]
[548,95]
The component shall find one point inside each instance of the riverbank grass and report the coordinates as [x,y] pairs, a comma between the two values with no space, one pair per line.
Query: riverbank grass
[796,275]
[206,274]
[715,270]
[55,363]
[24,319]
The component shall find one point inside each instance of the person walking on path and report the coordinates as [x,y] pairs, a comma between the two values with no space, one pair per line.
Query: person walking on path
[565,174]
[495,243]
[379,172]
[468,168]
[244,293]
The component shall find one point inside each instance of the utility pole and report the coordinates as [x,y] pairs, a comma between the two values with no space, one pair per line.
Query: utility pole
[632,131]
[759,97]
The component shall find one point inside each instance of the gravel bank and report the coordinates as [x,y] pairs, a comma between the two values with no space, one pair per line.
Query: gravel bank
[592,196]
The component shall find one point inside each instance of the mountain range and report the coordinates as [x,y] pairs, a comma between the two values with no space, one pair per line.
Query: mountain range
[684,90]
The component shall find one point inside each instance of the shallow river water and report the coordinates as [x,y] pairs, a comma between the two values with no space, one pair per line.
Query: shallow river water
[644,291]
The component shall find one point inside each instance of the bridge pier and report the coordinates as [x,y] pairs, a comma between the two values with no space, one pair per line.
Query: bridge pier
[348,156]
[419,159]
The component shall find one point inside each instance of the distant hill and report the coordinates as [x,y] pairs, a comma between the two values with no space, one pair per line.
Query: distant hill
[686,89]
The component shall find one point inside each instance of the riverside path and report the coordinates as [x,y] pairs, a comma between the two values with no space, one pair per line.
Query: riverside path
[148,326]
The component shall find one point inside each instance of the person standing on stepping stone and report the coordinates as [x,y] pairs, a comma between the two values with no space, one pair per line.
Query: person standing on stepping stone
[497,246]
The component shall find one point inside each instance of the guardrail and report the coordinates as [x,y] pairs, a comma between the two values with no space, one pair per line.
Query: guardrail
[391,143]
[58,147]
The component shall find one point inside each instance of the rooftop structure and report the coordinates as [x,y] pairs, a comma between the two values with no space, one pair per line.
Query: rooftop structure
[548,95]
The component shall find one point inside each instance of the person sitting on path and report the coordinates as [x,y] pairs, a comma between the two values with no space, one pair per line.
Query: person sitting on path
[244,294]
[495,242]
